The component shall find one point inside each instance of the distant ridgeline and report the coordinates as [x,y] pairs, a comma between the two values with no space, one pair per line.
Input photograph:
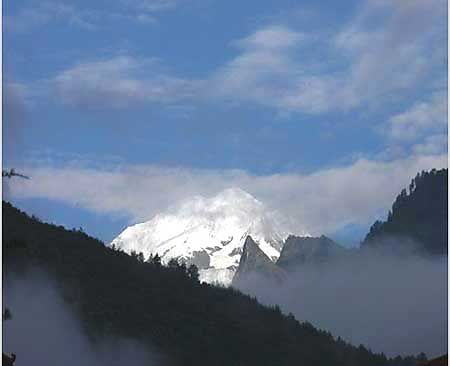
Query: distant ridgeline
[419,215]
[166,307]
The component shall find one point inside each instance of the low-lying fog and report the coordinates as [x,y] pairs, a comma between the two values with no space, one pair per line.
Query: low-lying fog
[44,331]
[391,304]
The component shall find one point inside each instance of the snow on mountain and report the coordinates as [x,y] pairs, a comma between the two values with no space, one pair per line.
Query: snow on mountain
[209,232]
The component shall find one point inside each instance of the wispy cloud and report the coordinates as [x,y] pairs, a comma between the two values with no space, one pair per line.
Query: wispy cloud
[378,58]
[42,13]
[392,46]
[422,118]
[421,128]
[320,202]
[266,71]
[118,82]
[152,6]
[388,48]
[434,144]
[145,11]
[38,14]
[271,38]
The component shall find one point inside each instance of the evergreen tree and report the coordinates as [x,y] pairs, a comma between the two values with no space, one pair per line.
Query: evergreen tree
[193,272]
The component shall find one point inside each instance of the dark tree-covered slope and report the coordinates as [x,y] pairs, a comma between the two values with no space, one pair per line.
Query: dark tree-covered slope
[191,323]
[419,215]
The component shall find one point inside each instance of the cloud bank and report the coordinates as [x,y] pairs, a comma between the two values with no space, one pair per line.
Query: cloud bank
[318,203]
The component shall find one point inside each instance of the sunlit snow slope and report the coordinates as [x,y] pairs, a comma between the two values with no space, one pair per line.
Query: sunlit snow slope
[209,232]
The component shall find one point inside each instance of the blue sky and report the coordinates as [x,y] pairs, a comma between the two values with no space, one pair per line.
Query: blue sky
[157,100]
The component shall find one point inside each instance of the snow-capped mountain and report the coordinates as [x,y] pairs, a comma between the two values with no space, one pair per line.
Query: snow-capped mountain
[209,232]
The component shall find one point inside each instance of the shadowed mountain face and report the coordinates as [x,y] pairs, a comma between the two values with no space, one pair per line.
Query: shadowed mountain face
[255,261]
[299,251]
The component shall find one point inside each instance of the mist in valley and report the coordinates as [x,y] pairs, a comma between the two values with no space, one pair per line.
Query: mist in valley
[45,331]
[395,304]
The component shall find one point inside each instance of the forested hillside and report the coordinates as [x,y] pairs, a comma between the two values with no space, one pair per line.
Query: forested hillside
[418,215]
[166,307]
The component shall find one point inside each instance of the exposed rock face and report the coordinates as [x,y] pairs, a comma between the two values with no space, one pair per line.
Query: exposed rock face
[299,251]
[254,262]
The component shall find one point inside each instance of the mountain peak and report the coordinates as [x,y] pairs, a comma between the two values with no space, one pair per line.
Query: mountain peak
[231,201]
[251,249]
[209,232]
[254,262]
[236,193]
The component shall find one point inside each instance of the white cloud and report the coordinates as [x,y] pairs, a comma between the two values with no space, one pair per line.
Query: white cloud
[388,48]
[320,202]
[124,80]
[391,46]
[420,129]
[269,71]
[117,82]
[271,38]
[39,14]
[434,144]
[261,72]
[424,117]
[153,6]
[145,11]
[385,54]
